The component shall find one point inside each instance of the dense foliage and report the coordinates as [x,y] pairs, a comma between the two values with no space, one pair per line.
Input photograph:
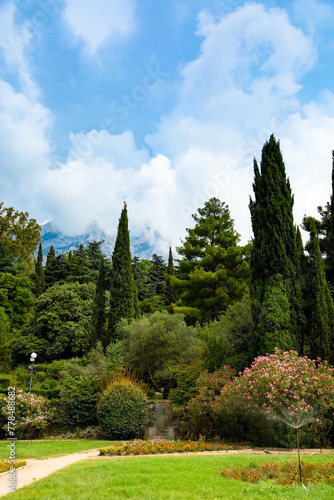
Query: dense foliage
[157,346]
[122,411]
[183,327]
[213,270]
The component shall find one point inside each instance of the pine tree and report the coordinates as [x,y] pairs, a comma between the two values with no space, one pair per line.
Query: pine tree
[123,293]
[39,273]
[170,294]
[320,303]
[99,317]
[213,271]
[274,252]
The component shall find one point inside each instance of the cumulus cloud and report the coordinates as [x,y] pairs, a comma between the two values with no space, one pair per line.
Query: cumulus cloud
[98,21]
[95,185]
[24,144]
[242,87]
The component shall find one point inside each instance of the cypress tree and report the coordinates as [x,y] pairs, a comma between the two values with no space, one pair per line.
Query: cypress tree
[320,303]
[123,292]
[170,293]
[274,253]
[299,242]
[326,228]
[39,273]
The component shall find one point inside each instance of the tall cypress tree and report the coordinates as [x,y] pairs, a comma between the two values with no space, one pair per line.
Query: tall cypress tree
[320,303]
[39,273]
[170,294]
[327,229]
[274,252]
[123,292]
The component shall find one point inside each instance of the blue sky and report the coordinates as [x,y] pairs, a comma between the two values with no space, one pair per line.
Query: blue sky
[162,104]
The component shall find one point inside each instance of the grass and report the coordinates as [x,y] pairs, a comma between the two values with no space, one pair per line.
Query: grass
[47,449]
[166,477]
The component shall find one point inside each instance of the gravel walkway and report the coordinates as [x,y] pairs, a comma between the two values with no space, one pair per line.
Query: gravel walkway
[37,469]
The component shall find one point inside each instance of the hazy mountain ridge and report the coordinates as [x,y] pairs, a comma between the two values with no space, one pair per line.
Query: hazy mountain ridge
[51,235]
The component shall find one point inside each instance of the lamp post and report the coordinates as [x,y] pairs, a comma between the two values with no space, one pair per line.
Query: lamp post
[33,356]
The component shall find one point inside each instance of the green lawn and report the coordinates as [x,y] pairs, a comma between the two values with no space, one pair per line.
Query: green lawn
[181,477]
[47,449]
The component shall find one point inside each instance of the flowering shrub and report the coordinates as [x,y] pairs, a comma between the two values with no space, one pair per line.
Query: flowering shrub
[286,473]
[160,445]
[200,410]
[5,465]
[30,414]
[285,388]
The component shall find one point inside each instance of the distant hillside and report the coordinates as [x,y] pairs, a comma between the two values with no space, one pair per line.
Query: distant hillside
[62,243]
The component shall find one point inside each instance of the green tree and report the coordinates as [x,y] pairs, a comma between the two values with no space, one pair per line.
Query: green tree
[19,234]
[99,314]
[39,273]
[123,293]
[156,276]
[60,326]
[274,323]
[140,269]
[51,257]
[16,298]
[57,271]
[158,345]
[274,250]
[80,266]
[227,340]
[320,317]
[326,229]
[213,271]
[170,294]
[4,337]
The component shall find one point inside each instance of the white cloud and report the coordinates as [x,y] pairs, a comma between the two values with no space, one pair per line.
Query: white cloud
[95,185]
[24,144]
[100,20]
[14,40]
[241,88]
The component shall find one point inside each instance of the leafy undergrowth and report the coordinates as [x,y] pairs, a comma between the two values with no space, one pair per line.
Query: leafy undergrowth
[6,466]
[160,445]
[286,473]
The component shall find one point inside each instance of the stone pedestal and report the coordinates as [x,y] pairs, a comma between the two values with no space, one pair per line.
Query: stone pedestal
[160,421]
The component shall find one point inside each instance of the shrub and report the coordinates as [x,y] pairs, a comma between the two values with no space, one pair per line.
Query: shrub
[201,416]
[122,411]
[31,414]
[77,403]
[287,391]
[186,385]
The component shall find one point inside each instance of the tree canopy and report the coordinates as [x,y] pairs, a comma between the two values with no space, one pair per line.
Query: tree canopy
[213,271]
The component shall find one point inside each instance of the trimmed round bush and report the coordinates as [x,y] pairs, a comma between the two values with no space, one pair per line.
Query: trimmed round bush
[122,411]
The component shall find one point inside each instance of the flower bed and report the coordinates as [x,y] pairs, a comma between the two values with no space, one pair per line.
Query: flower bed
[160,445]
[286,473]
[6,466]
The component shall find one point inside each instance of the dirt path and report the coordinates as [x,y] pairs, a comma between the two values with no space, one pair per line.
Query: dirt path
[37,469]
